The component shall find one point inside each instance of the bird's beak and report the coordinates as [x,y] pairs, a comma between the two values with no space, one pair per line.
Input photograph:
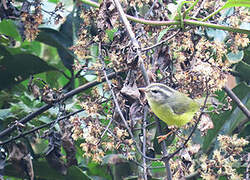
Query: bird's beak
[142,89]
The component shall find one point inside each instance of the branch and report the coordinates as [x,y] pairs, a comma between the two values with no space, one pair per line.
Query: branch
[144,143]
[243,108]
[37,128]
[145,76]
[48,106]
[165,153]
[133,39]
[188,22]
[161,42]
[168,23]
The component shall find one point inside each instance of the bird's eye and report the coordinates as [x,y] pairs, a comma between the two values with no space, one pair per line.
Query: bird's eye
[154,91]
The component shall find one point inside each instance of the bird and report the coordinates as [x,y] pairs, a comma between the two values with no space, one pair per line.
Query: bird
[171,106]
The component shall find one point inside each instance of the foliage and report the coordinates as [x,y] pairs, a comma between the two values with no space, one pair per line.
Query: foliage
[70,105]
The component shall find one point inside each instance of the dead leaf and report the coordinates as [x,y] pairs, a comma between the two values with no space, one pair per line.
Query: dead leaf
[68,142]
[21,159]
[205,124]
[135,113]
[107,16]
[129,88]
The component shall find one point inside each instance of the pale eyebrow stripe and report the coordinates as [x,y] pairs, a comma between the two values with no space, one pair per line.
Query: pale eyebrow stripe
[166,90]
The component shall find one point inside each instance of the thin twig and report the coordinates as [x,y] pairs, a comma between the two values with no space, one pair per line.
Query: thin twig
[248,166]
[161,42]
[106,129]
[243,108]
[148,125]
[171,22]
[144,130]
[193,175]
[37,128]
[165,153]
[199,8]
[143,70]
[151,9]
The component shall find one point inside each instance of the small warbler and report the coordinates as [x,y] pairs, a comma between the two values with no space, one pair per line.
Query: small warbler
[171,106]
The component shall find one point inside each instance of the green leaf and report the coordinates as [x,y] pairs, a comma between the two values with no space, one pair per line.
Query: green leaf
[76,173]
[235,57]
[5,113]
[52,78]
[54,38]
[54,1]
[60,41]
[42,170]
[236,3]
[162,33]
[223,178]
[8,28]
[45,119]
[66,29]
[237,116]
[244,70]
[158,164]
[111,33]
[90,77]
[95,169]
[94,51]
[216,34]
[33,47]
[16,68]
[245,25]
[219,120]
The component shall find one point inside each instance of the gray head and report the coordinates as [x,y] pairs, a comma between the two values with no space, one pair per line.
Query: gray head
[157,92]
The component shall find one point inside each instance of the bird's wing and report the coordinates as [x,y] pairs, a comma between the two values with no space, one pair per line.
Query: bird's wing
[179,105]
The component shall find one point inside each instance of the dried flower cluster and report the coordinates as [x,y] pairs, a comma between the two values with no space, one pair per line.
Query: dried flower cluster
[32,18]
[31,21]
[197,60]
[222,163]
[224,159]
[205,64]
[189,62]
[99,139]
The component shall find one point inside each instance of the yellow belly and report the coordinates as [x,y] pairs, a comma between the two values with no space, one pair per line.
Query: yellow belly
[165,113]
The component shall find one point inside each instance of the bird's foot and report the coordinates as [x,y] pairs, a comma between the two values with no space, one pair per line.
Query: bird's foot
[163,137]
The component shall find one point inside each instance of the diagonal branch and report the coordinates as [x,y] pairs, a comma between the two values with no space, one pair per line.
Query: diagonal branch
[37,128]
[144,143]
[143,70]
[133,39]
[242,107]
[48,106]
[161,42]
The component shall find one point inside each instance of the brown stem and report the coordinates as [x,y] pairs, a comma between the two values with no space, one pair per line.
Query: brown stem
[243,108]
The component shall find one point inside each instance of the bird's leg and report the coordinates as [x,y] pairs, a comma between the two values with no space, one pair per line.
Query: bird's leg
[163,137]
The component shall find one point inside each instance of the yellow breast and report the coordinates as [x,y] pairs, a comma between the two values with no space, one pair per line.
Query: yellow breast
[165,113]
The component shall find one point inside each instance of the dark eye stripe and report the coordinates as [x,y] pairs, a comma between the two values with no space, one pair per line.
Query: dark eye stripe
[161,88]
[155,91]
